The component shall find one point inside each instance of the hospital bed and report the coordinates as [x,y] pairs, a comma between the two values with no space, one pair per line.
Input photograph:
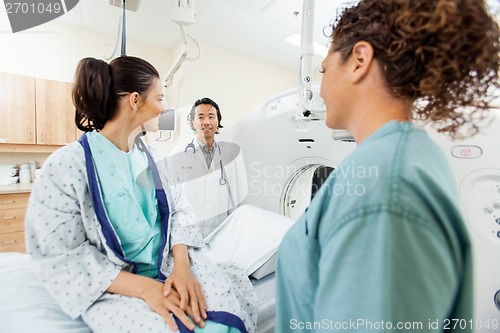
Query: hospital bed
[27,307]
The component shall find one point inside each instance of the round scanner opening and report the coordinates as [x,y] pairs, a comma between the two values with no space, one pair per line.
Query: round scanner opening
[301,187]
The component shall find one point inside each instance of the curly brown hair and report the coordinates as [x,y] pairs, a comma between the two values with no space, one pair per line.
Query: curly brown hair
[444,55]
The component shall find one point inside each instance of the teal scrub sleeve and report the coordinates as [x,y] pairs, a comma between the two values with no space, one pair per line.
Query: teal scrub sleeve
[382,269]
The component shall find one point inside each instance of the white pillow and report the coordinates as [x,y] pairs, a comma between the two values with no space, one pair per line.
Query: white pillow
[248,237]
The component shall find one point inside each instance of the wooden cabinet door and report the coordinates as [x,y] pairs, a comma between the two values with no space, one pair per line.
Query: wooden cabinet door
[55,113]
[17,108]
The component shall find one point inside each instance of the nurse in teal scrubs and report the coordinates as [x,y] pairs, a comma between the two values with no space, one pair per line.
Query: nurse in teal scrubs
[383,245]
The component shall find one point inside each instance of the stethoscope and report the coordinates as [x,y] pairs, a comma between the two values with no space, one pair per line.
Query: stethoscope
[222,180]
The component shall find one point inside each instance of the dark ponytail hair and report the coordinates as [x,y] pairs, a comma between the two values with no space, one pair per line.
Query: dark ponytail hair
[99,86]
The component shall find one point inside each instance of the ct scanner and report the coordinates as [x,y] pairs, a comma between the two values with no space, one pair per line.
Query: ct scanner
[286,160]
[475,163]
[283,154]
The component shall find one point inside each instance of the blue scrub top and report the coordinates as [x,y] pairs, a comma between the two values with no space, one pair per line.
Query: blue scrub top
[382,243]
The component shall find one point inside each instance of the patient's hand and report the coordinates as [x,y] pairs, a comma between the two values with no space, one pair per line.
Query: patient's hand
[151,291]
[192,299]
[155,299]
[190,291]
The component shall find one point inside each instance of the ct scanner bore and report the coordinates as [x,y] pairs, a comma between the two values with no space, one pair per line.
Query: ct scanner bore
[301,187]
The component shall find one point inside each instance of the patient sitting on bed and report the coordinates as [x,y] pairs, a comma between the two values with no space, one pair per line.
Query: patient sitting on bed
[105,235]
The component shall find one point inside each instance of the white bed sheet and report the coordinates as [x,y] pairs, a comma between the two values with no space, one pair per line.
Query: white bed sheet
[248,238]
[26,307]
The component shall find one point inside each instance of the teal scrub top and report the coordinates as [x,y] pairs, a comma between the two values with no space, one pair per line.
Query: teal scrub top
[382,245]
[128,192]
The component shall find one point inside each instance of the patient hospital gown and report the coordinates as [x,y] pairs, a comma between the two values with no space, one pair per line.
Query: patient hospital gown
[76,262]
[382,244]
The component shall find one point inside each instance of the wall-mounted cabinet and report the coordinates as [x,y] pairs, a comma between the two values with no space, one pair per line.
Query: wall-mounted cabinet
[55,113]
[17,108]
[36,111]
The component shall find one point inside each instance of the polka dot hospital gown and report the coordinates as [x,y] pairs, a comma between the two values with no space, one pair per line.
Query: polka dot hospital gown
[76,265]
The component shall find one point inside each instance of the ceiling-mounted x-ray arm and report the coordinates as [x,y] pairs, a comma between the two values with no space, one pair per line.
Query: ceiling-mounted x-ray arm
[183,14]
[180,58]
[305,68]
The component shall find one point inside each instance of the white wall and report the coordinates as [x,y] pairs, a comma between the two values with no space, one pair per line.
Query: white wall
[52,51]
[238,83]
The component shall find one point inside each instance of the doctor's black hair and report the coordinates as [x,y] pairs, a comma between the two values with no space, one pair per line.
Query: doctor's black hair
[206,101]
[99,86]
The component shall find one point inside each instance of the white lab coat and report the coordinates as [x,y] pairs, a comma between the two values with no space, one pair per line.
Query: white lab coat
[212,193]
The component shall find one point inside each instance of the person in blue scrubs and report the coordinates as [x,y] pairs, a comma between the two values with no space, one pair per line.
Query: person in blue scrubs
[383,245]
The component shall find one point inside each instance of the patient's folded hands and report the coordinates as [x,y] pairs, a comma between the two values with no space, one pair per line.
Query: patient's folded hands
[191,297]
[173,300]
[184,283]
[152,294]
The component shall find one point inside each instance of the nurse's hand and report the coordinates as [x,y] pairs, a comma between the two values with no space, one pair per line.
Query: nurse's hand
[190,291]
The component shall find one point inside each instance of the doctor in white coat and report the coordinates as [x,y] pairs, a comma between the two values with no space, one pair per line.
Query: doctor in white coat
[212,173]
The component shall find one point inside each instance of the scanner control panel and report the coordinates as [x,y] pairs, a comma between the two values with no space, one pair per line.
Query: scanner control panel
[480,194]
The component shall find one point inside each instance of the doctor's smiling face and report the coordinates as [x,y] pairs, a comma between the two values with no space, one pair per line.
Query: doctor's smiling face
[205,122]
